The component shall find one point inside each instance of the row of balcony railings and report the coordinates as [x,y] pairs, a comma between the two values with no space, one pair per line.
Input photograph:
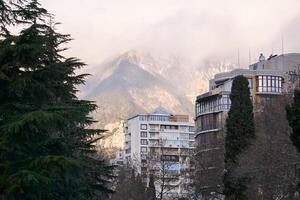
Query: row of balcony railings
[182,136]
[157,128]
[219,103]
[170,143]
[171,118]
[264,84]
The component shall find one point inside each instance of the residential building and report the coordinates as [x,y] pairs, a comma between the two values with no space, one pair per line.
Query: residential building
[161,144]
[268,78]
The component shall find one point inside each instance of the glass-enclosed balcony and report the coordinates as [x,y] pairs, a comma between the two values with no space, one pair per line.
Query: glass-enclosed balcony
[269,84]
[212,121]
[215,104]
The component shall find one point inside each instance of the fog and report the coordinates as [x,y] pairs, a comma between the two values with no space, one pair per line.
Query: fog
[191,29]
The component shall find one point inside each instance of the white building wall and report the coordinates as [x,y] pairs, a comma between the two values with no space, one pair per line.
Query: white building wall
[181,138]
[228,85]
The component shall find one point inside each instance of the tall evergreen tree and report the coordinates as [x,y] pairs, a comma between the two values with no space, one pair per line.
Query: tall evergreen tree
[293,117]
[46,150]
[239,130]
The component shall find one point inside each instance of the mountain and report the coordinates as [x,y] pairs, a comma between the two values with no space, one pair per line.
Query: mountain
[131,84]
[135,82]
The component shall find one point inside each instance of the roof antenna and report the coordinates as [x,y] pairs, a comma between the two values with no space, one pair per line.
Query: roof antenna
[249,56]
[239,57]
[282,45]
[282,50]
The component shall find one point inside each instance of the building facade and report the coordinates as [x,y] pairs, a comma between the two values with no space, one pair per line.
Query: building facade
[268,79]
[161,144]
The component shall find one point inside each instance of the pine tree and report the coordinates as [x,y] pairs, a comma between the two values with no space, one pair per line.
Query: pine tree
[293,117]
[151,192]
[46,150]
[239,131]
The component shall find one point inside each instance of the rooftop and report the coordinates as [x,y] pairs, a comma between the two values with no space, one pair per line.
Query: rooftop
[160,111]
[285,62]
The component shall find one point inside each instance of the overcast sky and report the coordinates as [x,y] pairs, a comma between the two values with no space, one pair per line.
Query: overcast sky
[192,29]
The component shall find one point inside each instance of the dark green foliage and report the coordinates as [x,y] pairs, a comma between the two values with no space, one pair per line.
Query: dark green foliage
[240,120]
[239,132]
[15,12]
[293,117]
[46,151]
[234,187]
[151,192]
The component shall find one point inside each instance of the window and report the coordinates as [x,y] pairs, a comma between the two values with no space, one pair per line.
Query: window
[153,134]
[211,105]
[153,127]
[250,83]
[208,122]
[143,126]
[144,149]
[143,134]
[191,129]
[168,127]
[269,84]
[226,101]
[173,158]
[127,151]
[144,142]
[154,142]
[184,136]
[142,118]
[158,118]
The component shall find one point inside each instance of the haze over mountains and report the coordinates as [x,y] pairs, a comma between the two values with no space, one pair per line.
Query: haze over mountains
[136,82]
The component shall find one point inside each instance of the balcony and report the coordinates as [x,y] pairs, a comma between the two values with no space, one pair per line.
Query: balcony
[154,136]
[144,156]
[154,129]
[154,143]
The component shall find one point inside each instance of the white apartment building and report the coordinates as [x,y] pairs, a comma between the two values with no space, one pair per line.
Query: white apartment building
[162,144]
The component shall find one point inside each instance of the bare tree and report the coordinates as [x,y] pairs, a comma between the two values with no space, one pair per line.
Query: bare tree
[270,161]
[171,169]
[129,185]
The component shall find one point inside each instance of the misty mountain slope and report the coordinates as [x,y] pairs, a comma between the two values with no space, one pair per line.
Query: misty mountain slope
[135,82]
[130,89]
[114,106]
[100,72]
[199,80]
[124,76]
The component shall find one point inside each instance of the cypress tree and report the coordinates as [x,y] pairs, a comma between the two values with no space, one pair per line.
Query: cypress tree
[46,150]
[293,117]
[239,130]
